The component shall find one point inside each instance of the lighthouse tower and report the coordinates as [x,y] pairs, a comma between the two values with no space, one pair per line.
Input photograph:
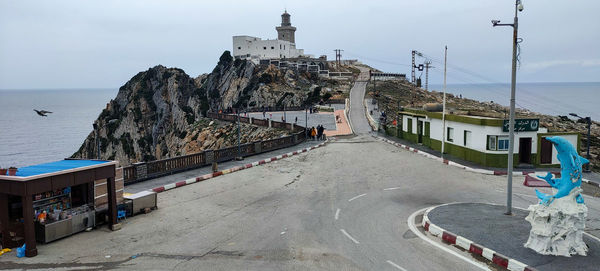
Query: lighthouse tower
[286,31]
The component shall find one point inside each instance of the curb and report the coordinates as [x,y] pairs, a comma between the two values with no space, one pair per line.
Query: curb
[476,170]
[473,248]
[231,170]
[369,117]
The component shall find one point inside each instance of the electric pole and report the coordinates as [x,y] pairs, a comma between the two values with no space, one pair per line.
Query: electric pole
[338,57]
[444,104]
[511,122]
[427,66]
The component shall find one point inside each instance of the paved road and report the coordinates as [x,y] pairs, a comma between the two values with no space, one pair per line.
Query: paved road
[357,116]
[341,207]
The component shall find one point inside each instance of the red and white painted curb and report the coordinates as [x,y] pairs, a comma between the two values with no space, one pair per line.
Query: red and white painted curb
[233,169]
[476,170]
[473,248]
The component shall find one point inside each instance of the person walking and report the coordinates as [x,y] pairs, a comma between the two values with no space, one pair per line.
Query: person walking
[313,133]
[320,131]
[296,120]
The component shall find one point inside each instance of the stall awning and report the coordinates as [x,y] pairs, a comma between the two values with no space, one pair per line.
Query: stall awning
[57,166]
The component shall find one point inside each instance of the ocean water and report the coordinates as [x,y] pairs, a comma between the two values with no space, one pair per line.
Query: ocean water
[546,98]
[27,138]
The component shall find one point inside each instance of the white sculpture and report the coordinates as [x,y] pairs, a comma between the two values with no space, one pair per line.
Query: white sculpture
[558,221]
[557,229]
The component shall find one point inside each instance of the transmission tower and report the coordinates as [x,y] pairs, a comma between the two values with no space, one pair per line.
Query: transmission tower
[414,66]
[427,66]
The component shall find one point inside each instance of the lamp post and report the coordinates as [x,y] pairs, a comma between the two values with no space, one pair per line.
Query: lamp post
[589,124]
[511,122]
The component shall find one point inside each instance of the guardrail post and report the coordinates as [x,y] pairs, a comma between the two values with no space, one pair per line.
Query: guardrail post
[250,120]
[269,123]
[292,129]
[258,147]
[295,138]
[210,156]
[141,170]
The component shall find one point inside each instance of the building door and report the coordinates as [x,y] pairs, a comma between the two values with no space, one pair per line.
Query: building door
[420,131]
[525,150]
[546,152]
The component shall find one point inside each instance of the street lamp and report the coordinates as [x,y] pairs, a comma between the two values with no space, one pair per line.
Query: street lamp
[589,123]
[511,122]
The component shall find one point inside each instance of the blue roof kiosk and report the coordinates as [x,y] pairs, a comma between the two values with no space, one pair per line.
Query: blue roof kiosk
[44,187]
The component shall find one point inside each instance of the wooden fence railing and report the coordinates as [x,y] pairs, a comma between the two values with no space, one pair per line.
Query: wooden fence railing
[148,170]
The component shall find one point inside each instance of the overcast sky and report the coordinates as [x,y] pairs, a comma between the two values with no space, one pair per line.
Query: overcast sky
[98,44]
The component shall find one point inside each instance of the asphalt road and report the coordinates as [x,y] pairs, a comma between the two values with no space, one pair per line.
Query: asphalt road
[357,116]
[344,206]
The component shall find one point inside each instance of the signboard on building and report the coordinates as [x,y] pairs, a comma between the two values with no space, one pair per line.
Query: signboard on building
[523,125]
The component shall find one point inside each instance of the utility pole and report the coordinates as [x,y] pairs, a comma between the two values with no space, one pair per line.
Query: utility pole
[444,104]
[511,122]
[427,66]
[338,57]
[414,66]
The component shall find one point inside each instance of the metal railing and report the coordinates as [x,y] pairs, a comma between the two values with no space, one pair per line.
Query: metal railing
[148,170]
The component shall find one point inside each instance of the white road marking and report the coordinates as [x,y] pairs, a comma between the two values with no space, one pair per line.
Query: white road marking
[395,265]
[337,214]
[356,197]
[414,229]
[349,236]
[391,188]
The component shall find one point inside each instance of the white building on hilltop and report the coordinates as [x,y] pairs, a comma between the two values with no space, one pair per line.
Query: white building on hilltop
[255,49]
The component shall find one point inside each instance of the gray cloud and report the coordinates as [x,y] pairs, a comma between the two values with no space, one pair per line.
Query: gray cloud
[55,44]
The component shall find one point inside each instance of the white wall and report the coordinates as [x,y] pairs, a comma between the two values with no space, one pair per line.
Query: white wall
[244,45]
[478,140]
[571,138]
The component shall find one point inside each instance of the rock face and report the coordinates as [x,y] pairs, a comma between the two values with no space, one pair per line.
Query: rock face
[557,229]
[242,84]
[159,112]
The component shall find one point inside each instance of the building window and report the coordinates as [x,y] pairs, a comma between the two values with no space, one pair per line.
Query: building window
[497,143]
[265,48]
[467,138]
[450,134]
[239,48]
[272,47]
[502,143]
[492,143]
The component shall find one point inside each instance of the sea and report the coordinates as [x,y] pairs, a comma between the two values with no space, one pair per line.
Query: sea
[27,138]
[556,99]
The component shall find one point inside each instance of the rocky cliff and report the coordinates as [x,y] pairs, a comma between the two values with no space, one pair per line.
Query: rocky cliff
[242,84]
[159,113]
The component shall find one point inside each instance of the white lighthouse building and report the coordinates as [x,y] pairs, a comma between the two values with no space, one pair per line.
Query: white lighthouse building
[255,49]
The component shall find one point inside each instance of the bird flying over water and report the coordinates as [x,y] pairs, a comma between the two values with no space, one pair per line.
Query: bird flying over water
[42,113]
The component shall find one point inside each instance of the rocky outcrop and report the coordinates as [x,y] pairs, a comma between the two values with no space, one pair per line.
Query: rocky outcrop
[159,112]
[242,84]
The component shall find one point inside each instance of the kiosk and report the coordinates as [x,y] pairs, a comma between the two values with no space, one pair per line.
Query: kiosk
[49,201]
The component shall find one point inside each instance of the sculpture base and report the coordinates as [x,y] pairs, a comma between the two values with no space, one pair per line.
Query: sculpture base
[557,229]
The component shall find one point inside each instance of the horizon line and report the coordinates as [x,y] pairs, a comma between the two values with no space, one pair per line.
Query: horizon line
[481,83]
